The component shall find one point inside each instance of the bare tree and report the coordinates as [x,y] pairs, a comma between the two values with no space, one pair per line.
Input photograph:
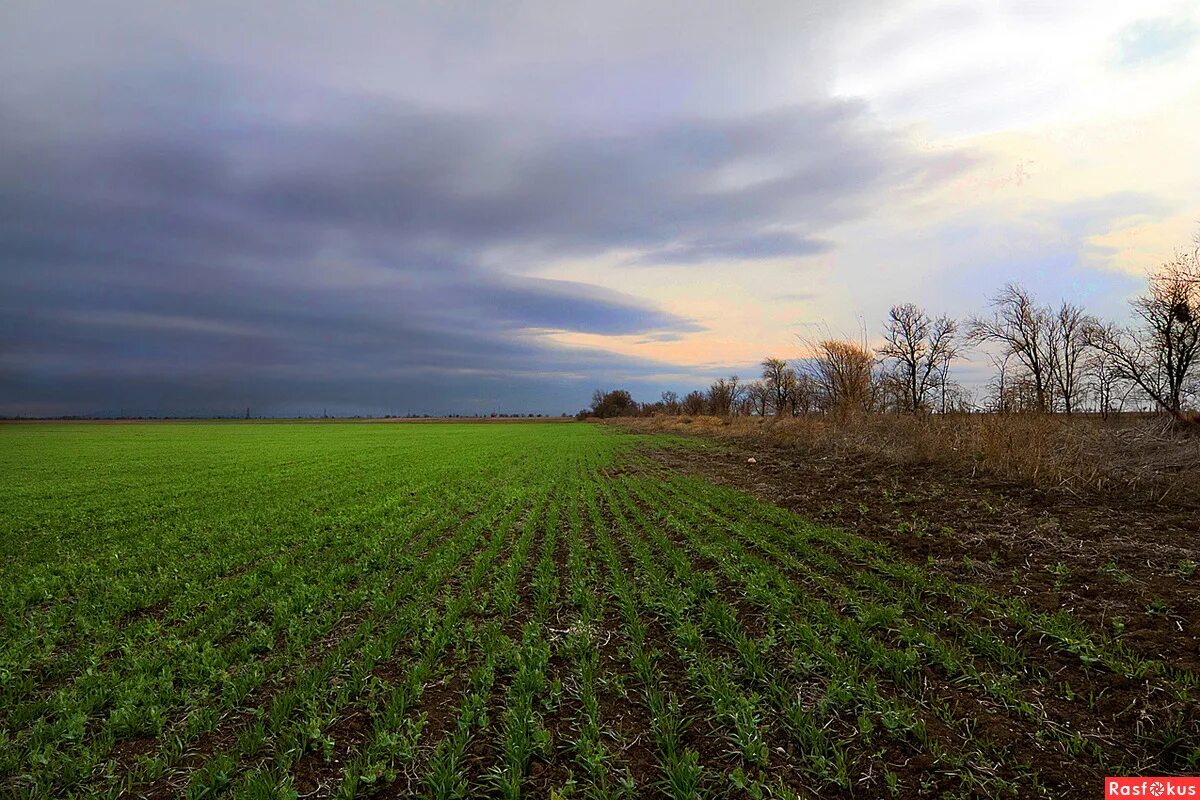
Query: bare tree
[717,401]
[951,391]
[759,396]
[999,387]
[720,400]
[921,350]
[694,403]
[780,381]
[736,390]
[804,394]
[956,398]
[670,403]
[844,374]
[1066,345]
[1024,331]
[891,391]
[1105,382]
[747,405]
[615,403]
[1160,353]
[723,396]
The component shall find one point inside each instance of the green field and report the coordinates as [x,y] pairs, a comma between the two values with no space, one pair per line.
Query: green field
[511,610]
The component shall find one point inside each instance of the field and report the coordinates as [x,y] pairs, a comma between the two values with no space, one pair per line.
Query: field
[533,610]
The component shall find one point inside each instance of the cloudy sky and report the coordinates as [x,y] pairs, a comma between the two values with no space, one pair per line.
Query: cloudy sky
[462,207]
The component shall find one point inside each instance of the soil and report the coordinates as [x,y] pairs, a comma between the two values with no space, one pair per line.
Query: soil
[1100,560]
[1121,566]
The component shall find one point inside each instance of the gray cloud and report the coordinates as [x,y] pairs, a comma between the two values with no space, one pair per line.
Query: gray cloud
[751,246]
[183,233]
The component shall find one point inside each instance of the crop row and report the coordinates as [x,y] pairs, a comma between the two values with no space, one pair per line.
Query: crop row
[519,610]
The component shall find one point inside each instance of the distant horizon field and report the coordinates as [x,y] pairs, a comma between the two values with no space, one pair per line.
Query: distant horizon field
[275,610]
[242,420]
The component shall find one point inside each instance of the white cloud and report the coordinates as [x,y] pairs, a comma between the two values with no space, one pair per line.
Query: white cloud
[964,69]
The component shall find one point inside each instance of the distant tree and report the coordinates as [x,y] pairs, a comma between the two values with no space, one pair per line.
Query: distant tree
[747,405]
[670,403]
[956,398]
[1024,331]
[616,403]
[694,403]
[891,391]
[737,391]
[1160,353]
[780,382]
[720,399]
[920,350]
[844,375]
[724,396]
[804,394]
[759,396]
[1105,382]
[1067,346]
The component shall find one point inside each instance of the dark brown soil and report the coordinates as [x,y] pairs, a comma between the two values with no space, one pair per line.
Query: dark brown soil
[1053,552]
[317,773]
[1121,566]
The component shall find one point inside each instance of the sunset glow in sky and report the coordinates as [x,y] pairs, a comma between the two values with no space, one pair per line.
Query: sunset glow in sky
[440,207]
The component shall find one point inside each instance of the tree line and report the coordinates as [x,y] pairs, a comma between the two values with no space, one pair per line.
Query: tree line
[1045,358]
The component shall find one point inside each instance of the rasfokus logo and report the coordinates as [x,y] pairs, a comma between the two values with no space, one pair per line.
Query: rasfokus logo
[1151,787]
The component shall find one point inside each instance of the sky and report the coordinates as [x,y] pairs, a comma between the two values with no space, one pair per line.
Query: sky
[398,207]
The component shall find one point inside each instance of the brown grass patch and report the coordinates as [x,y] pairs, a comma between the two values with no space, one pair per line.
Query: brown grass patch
[1132,456]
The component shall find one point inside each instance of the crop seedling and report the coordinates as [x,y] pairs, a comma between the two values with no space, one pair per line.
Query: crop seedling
[518,611]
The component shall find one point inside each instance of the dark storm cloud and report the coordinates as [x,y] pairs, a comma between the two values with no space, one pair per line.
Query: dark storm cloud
[178,237]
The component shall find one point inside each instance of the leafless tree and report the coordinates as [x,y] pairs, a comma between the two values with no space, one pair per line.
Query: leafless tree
[747,406]
[1160,353]
[921,350]
[999,388]
[723,396]
[1105,381]
[717,399]
[720,401]
[670,402]
[780,381]
[804,394]
[891,391]
[956,398]
[759,396]
[694,403]
[615,403]
[1067,344]
[844,374]
[736,391]
[1024,330]
[950,390]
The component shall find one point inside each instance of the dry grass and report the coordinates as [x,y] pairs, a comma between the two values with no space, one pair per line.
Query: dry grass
[1131,455]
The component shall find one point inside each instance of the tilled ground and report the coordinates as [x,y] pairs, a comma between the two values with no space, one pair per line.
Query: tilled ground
[1127,567]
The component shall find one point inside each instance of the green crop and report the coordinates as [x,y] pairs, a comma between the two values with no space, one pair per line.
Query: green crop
[511,610]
